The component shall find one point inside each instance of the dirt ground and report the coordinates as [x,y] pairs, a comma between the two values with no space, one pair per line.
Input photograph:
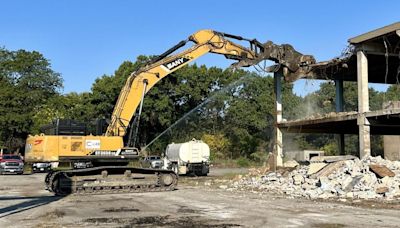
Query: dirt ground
[25,203]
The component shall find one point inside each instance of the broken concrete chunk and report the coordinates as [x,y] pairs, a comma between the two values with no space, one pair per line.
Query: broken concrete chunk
[381,171]
[382,190]
[366,195]
[317,159]
[326,195]
[315,167]
[345,182]
[368,180]
[298,179]
[354,181]
[326,185]
[330,159]
[291,164]
[308,187]
[271,177]
[350,194]
[330,168]
[387,180]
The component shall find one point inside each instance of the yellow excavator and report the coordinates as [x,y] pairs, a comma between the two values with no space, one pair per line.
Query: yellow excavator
[110,147]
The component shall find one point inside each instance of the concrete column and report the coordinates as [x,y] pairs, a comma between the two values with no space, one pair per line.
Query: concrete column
[363,104]
[278,118]
[339,108]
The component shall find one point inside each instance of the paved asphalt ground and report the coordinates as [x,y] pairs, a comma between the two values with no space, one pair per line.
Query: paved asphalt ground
[25,203]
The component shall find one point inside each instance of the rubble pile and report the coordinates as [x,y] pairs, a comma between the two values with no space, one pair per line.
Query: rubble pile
[331,177]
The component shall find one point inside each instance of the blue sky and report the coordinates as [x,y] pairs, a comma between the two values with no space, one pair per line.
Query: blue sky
[86,39]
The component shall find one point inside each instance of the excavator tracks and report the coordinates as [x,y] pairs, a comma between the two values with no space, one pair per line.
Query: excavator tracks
[110,180]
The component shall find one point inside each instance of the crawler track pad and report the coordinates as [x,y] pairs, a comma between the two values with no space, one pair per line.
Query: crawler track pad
[110,179]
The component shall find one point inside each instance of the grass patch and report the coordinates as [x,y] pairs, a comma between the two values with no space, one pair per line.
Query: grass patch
[241,162]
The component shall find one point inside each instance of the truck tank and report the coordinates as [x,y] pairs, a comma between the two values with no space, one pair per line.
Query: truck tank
[191,157]
[194,151]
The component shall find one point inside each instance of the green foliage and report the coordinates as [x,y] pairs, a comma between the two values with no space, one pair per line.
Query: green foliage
[243,162]
[248,120]
[219,145]
[331,148]
[26,83]
[377,145]
[393,93]
[351,145]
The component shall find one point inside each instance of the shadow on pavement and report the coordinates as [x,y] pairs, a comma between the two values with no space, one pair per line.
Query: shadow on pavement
[27,204]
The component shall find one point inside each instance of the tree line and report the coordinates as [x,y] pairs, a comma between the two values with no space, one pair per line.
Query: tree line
[232,111]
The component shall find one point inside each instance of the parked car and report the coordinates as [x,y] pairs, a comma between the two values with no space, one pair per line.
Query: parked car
[11,164]
[152,162]
[41,167]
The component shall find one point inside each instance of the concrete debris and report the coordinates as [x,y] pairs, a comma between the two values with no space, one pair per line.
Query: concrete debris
[291,164]
[329,169]
[256,172]
[331,178]
[330,159]
[381,171]
[298,179]
[382,190]
[315,167]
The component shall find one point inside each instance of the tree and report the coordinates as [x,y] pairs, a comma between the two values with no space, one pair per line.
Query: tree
[249,119]
[73,105]
[26,82]
[179,94]
[219,145]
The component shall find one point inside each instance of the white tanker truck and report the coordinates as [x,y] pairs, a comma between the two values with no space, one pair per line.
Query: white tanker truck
[191,157]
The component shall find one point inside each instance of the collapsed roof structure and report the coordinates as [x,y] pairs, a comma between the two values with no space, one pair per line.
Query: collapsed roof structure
[373,57]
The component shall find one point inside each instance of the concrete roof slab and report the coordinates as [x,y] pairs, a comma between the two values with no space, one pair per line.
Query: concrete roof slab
[392,28]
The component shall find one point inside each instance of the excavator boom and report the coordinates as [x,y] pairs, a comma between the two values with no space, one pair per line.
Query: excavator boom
[140,82]
[205,41]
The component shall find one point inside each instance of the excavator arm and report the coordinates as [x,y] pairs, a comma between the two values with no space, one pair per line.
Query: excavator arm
[205,41]
[140,82]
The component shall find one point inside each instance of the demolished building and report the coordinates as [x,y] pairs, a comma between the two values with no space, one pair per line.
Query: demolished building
[373,57]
